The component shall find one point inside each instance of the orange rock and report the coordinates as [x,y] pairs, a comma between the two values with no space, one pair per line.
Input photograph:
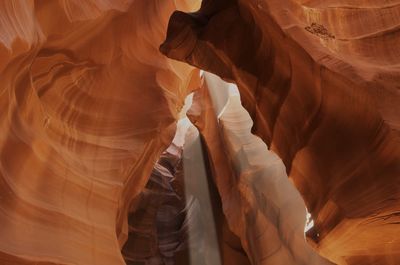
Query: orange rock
[325,104]
[87,105]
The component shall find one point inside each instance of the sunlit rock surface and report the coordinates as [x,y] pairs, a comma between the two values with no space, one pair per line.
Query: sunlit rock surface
[320,81]
[90,170]
[260,203]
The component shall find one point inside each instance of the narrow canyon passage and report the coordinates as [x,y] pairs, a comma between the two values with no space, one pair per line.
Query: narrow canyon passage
[199,132]
[185,210]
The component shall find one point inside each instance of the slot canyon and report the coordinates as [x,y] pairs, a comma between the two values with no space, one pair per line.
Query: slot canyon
[199,132]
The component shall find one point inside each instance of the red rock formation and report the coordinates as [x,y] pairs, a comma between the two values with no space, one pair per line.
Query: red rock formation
[87,105]
[158,222]
[321,101]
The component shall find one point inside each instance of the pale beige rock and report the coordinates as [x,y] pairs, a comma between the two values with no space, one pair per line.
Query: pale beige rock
[261,205]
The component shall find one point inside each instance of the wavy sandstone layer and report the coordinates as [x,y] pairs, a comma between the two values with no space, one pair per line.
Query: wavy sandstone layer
[89,108]
[87,105]
[323,95]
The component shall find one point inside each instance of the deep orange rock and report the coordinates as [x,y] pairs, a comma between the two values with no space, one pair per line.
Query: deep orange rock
[87,105]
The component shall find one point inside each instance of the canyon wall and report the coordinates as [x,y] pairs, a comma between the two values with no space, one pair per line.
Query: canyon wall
[87,106]
[90,106]
[320,81]
[261,205]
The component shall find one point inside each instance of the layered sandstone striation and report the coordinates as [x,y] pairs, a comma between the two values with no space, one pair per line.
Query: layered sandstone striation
[320,81]
[100,165]
[87,106]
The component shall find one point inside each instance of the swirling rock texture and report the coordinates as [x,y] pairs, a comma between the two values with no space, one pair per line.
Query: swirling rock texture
[87,106]
[320,81]
[160,210]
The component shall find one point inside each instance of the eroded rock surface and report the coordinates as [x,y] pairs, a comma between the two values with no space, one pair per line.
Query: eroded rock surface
[326,103]
[260,203]
[87,106]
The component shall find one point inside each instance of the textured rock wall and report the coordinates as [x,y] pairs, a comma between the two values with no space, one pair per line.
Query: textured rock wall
[87,105]
[323,95]
[159,220]
[260,203]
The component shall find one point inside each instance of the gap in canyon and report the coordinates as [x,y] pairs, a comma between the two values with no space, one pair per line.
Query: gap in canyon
[180,215]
